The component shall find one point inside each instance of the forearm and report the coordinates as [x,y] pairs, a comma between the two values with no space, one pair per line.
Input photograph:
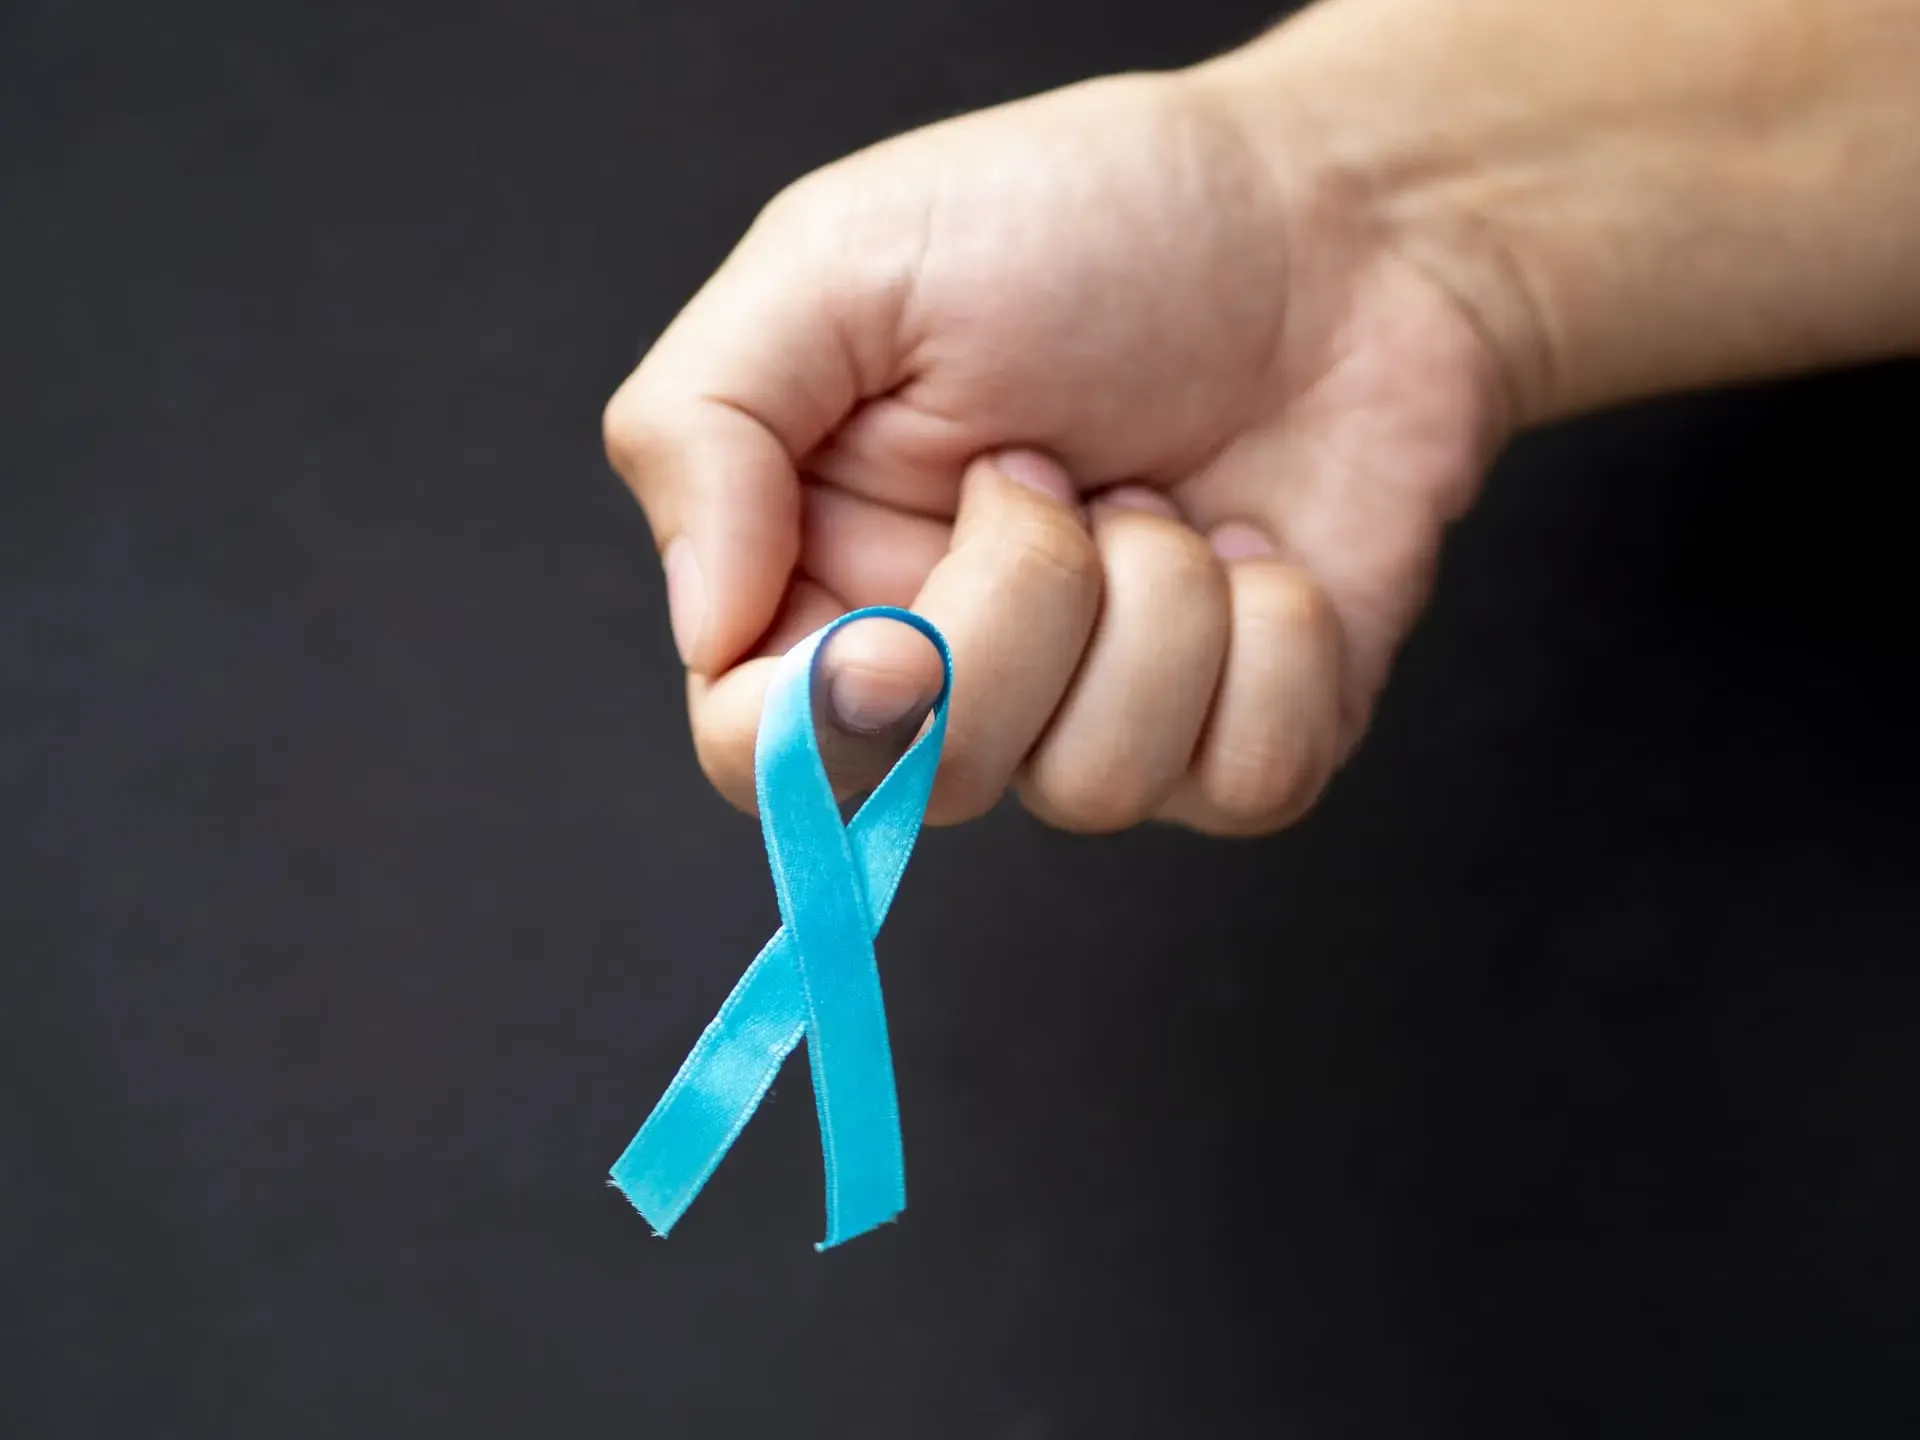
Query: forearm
[1628,196]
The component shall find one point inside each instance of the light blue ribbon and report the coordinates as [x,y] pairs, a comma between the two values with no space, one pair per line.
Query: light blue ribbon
[816,978]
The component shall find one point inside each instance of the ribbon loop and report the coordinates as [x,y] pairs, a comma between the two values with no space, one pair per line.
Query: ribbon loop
[816,979]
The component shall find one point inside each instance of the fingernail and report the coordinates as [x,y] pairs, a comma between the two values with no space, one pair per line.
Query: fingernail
[1138,497]
[1037,472]
[865,702]
[686,597]
[1234,541]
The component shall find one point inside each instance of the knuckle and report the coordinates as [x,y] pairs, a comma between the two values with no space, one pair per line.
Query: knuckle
[625,432]
[1171,557]
[1258,788]
[1053,552]
[1294,605]
[1086,799]
[727,768]
[805,206]
[965,788]
[795,196]
[1191,568]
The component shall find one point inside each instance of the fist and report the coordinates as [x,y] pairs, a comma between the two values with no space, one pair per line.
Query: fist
[1163,434]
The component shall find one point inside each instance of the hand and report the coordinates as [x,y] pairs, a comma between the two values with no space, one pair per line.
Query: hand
[1160,434]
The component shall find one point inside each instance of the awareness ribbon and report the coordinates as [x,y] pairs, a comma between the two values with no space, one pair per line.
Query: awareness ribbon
[815,980]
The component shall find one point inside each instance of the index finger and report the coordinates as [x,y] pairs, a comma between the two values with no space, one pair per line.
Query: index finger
[708,431]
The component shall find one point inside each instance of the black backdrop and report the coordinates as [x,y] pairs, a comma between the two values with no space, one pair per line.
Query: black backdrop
[1561,1077]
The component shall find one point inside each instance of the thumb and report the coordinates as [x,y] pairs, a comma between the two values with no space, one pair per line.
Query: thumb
[763,364]
[874,683]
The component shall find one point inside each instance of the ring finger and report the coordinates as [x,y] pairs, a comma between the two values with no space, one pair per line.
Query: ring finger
[1125,733]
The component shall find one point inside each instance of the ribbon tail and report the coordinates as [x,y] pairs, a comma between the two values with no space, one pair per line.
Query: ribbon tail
[738,1056]
[719,1086]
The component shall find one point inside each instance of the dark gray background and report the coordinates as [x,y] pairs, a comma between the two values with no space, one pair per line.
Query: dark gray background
[1561,1077]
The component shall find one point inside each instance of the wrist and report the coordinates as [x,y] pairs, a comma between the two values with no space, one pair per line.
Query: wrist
[1622,199]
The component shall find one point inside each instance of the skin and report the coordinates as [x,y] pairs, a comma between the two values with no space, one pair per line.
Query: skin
[1158,393]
